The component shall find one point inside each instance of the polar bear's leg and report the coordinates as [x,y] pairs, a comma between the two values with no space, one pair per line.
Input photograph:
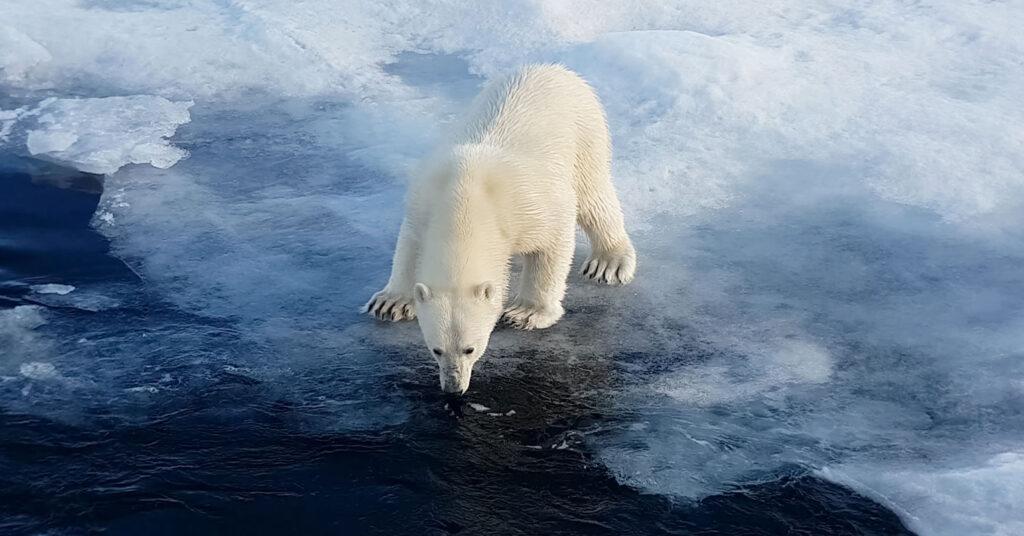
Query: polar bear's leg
[542,287]
[612,257]
[395,301]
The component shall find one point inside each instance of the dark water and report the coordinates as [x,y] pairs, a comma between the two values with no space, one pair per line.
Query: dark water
[222,455]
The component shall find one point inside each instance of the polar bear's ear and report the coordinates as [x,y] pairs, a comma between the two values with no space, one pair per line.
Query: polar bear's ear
[421,292]
[485,291]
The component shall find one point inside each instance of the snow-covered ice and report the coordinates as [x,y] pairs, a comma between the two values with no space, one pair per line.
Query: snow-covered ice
[99,135]
[978,497]
[827,200]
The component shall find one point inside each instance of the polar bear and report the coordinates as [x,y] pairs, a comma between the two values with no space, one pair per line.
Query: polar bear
[531,159]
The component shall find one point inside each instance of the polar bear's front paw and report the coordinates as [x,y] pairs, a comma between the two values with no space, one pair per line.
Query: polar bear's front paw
[610,267]
[522,315]
[390,306]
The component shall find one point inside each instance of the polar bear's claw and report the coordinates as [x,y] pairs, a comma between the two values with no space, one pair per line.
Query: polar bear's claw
[390,307]
[522,316]
[610,267]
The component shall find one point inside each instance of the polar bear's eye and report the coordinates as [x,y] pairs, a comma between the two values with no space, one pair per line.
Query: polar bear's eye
[437,351]
[469,350]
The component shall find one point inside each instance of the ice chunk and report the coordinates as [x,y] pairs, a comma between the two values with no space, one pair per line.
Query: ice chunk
[87,300]
[99,135]
[22,317]
[151,389]
[39,371]
[18,339]
[478,407]
[52,288]
[40,142]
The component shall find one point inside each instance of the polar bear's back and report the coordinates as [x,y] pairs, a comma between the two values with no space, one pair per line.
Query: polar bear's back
[544,111]
[532,153]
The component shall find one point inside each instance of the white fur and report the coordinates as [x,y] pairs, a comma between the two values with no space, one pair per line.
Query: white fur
[530,161]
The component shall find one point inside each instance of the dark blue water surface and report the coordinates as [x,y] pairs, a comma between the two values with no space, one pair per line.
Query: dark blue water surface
[224,454]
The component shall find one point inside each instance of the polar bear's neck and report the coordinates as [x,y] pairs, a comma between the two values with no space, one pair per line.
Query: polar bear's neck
[466,242]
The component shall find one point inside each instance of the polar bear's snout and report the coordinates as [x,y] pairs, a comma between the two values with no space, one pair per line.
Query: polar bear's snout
[455,379]
[455,372]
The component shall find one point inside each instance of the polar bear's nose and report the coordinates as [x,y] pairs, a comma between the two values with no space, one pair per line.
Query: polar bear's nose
[452,382]
[451,386]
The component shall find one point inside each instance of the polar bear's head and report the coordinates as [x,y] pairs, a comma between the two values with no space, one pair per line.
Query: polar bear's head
[457,325]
